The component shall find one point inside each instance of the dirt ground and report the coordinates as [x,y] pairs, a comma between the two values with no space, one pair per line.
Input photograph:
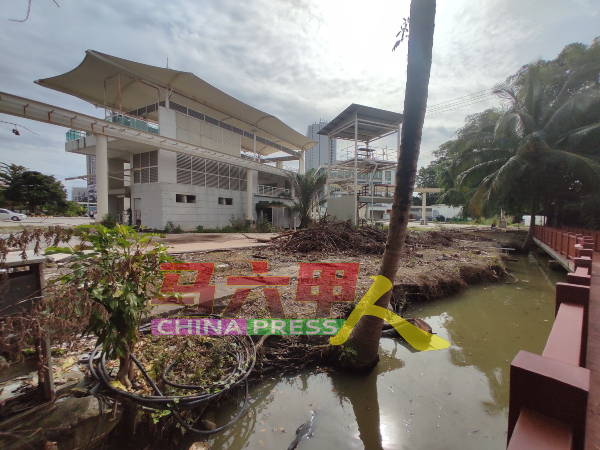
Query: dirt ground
[430,269]
[434,264]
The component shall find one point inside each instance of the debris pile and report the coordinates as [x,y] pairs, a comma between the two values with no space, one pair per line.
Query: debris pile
[341,237]
[328,236]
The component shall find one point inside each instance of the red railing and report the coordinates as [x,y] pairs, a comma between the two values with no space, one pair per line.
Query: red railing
[549,393]
[563,240]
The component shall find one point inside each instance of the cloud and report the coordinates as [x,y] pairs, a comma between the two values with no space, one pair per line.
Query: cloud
[300,60]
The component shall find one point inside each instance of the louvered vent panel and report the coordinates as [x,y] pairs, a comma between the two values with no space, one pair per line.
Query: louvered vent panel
[198,179]
[211,120]
[178,107]
[153,174]
[242,173]
[184,162]
[212,167]
[212,181]
[243,184]
[234,172]
[184,176]
[195,114]
[145,175]
[223,182]
[234,184]
[145,162]
[137,177]
[224,169]
[198,164]
[137,161]
[154,158]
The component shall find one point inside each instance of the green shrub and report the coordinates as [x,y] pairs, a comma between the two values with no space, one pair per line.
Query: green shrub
[113,284]
[170,227]
[199,229]
[239,224]
[109,220]
[263,225]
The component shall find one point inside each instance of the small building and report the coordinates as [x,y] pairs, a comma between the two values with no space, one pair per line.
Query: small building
[172,146]
[79,194]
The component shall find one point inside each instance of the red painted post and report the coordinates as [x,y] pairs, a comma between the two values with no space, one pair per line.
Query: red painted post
[584,261]
[580,277]
[586,252]
[576,295]
[537,431]
[550,387]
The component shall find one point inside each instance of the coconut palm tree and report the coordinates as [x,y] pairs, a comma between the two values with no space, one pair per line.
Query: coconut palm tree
[307,189]
[550,129]
[367,332]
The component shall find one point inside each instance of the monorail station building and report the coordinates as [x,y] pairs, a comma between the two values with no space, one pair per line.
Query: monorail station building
[171,146]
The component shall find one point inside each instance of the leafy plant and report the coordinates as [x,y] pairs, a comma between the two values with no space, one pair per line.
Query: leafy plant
[109,220]
[348,353]
[263,225]
[118,276]
[239,224]
[308,188]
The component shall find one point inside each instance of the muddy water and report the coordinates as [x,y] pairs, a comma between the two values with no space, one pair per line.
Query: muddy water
[449,399]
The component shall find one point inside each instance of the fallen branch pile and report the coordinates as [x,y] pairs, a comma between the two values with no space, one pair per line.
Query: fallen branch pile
[342,238]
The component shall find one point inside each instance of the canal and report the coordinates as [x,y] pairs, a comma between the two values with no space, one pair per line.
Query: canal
[450,399]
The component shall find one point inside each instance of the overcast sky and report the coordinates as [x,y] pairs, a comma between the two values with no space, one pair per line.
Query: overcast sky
[300,60]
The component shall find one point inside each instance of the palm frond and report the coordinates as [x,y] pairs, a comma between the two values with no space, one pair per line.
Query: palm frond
[586,170]
[475,174]
[572,140]
[575,113]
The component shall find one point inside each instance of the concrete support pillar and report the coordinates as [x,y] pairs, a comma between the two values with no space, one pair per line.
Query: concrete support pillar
[249,194]
[329,163]
[101,175]
[355,215]
[424,209]
[301,169]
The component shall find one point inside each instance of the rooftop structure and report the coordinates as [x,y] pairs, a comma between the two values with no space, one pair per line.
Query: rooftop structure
[171,146]
[361,124]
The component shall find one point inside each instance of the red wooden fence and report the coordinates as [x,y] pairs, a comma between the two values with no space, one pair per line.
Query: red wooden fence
[548,393]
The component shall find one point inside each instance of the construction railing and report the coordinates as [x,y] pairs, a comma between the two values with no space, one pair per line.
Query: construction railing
[272,191]
[549,393]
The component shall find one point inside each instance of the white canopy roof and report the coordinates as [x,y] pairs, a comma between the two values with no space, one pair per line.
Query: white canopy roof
[119,84]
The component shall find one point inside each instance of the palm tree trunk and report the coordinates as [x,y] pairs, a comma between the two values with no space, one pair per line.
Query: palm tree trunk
[365,336]
[534,203]
[531,232]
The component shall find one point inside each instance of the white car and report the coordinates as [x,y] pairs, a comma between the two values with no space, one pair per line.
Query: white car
[6,214]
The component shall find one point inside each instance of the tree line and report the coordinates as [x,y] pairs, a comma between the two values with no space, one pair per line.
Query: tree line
[538,153]
[21,188]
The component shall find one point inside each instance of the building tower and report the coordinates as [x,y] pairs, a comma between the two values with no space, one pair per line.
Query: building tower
[319,154]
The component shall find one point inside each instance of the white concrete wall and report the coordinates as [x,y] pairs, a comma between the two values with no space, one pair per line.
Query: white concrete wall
[539,220]
[167,122]
[197,132]
[341,208]
[449,212]
[159,205]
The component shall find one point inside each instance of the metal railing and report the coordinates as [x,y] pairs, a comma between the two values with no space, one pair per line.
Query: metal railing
[138,124]
[121,119]
[73,135]
[271,191]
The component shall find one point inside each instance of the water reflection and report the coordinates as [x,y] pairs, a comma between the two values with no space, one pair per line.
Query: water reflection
[454,398]
[489,325]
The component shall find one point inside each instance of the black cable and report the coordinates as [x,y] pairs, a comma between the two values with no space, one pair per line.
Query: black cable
[245,356]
